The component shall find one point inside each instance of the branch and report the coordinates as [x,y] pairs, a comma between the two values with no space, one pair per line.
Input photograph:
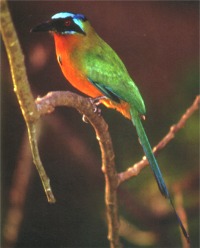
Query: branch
[47,104]
[32,113]
[136,168]
[22,90]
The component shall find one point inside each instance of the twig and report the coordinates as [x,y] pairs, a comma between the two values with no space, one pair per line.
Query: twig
[85,107]
[136,168]
[22,90]
[48,103]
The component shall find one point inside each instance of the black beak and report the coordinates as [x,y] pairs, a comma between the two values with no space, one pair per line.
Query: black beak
[43,27]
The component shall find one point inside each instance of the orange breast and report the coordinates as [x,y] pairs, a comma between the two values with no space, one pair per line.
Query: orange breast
[70,62]
[71,65]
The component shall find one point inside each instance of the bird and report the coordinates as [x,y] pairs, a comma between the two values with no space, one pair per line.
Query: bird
[94,68]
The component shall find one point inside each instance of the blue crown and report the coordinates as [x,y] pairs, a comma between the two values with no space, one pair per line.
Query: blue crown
[63,15]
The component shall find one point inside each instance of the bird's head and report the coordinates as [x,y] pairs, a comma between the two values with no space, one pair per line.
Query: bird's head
[63,23]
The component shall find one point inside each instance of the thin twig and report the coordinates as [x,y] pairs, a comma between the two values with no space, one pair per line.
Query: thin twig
[22,90]
[85,107]
[136,168]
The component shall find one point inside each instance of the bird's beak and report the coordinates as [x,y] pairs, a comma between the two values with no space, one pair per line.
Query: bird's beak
[43,27]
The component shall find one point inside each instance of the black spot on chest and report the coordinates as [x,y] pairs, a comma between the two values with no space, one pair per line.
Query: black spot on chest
[59,59]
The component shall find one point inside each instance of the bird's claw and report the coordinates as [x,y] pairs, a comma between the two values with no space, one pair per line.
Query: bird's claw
[85,119]
[96,102]
[95,109]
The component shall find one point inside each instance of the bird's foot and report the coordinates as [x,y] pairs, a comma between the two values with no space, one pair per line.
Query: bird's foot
[96,102]
[96,109]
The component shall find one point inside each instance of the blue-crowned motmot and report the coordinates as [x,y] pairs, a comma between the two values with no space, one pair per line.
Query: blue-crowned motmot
[94,68]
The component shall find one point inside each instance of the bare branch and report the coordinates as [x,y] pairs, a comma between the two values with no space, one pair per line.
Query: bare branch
[86,108]
[32,113]
[23,92]
[18,71]
[136,168]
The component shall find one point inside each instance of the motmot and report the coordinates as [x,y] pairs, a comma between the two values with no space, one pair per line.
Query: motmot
[94,68]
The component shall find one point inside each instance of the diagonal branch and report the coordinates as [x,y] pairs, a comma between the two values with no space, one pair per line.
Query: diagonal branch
[32,113]
[23,91]
[47,104]
[136,168]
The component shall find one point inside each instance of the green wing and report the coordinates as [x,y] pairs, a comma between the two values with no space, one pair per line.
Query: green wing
[107,72]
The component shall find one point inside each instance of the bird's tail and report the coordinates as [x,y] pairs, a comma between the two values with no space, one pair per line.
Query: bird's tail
[153,163]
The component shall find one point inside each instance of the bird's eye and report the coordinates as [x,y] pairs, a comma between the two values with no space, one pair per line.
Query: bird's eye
[67,23]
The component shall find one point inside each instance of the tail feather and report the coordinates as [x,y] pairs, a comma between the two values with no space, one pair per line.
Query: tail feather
[149,154]
[180,222]
[153,164]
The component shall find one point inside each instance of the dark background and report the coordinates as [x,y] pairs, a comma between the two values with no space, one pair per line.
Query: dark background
[158,42]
